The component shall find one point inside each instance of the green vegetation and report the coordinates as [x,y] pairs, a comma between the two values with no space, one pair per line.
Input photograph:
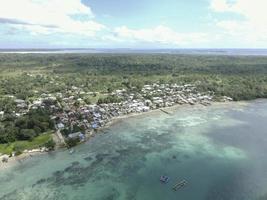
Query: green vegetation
[109,99]
[71,142]
[93,98]
[25,127]
[92,78]
[50,144]
[7,104]
[20,146]
[241,77]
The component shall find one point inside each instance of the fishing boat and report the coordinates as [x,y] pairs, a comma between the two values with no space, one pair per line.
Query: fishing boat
[179,185]
[164,179]
[71,151]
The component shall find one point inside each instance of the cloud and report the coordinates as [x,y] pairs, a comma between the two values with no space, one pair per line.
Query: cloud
[251,10]
[11,21]
[252,27]
[159,34]
[219,5]
[240,22]
[49,16]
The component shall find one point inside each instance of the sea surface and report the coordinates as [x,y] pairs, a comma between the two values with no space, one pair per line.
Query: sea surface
[221,151]
[225,52]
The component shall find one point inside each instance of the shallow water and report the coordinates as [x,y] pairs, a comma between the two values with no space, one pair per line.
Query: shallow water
[220,150]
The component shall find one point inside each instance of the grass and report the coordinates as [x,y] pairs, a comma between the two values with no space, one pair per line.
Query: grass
[6,148]
[94,99]
[23,145]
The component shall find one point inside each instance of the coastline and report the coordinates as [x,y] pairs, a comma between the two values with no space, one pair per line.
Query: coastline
[12,161]
[170,109]
[15,160]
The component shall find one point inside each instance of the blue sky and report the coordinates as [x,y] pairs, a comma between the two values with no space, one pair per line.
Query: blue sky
[133,24]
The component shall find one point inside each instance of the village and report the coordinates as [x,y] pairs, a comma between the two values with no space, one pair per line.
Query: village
[77,120]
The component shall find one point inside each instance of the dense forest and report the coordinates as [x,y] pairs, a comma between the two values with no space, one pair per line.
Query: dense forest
[26,127]
[240,77]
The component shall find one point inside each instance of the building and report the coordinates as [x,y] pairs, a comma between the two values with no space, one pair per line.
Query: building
[2,114]
[77,135]
[60,126]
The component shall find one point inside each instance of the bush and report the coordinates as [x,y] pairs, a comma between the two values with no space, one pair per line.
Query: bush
[50,145]
[26,134]
[72,142]
[109,99]
[18,149]
[88,101]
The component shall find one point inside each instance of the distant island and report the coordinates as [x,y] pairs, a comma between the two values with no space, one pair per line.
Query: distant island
[53,100]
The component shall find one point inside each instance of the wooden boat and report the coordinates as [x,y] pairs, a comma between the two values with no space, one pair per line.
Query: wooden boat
[71,151]
[164,179]
[179,185]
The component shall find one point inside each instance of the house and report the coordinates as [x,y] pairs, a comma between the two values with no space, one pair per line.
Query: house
[19,101]
[22,105]
[95,126]
[37,103]
[97,115]
[60,126]
[77,135]
[2,114]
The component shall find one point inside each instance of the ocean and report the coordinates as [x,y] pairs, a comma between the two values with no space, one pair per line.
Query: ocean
[225,52]
[220,150]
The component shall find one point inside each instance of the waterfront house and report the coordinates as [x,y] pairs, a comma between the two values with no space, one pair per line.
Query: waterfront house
[77,135]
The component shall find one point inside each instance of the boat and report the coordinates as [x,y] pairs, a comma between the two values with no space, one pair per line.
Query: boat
[71,151]
[179,185]
[164,179]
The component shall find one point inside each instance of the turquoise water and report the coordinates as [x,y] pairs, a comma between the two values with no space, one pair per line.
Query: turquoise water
[220,150]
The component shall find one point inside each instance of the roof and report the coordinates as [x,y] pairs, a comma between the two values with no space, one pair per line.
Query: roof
[94,125]
[76,135]
[60,125]
[19,101]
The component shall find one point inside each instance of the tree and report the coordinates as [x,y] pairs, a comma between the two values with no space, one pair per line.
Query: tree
[26,134]
[88,101]
[77,103]
[50,145]
[71,142]
[18,148]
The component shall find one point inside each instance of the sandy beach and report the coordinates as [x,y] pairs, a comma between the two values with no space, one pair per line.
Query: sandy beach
[15,160]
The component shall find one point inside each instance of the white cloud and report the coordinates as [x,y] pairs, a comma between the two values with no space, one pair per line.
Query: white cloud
[252,27]
[159,34]
[251,9]
[219,5]
[247,25]
[49,16]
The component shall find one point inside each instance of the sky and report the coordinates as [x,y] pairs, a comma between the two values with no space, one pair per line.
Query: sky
[137,24]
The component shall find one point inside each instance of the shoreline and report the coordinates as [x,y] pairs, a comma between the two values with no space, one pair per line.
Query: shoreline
[14,160]
[169,109]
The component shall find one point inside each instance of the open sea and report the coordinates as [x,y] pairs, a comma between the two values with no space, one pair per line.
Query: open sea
[220,150]
[224,52]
